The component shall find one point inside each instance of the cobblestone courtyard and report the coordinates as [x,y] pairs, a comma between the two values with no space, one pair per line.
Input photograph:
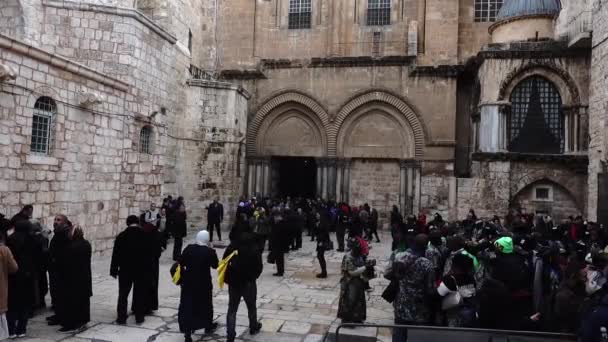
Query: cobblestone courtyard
[296,308]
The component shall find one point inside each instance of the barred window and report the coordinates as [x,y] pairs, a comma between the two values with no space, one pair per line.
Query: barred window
[299,14]
[145,140]
[536,120]
[487,10]
[378,12]
[42,124]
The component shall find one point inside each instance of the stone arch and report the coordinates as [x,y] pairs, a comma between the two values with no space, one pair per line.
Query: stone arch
[283,103]
[569,184]
[562,80]
[391,106]
[562,204]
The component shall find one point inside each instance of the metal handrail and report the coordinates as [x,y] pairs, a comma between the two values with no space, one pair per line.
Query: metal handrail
[561,336]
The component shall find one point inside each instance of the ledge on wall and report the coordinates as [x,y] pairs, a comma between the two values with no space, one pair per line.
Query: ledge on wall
[577,161]
[35,159]
[530,49]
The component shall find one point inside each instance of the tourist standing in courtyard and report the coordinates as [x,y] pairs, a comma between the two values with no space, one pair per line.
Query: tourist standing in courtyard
[21,284]
[8,266]
[215,216]
[241,275]
[128,257]
[196,299]
[352,307]
[323,244]
[179,230]
[416,278]
[72,264]
[279,241]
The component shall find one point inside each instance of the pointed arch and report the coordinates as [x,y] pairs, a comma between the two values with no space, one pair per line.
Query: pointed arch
[418,129]
[305,104]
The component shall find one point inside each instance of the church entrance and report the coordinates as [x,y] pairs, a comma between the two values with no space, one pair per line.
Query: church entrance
[295,176]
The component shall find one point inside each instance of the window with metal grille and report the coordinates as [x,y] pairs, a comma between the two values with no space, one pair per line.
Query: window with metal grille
[536,120]
[42,125]
[299,14]
[378,12]
[486,10]
[145,140]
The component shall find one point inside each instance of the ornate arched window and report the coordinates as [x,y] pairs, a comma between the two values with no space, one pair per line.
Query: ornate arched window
[145,140]
[536,120]
[42,125]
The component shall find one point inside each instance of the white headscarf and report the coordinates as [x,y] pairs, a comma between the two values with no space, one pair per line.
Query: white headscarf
[202,238]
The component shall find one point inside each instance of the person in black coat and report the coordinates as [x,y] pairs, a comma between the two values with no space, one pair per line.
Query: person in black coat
[153,244]
[179,230]
[129,265]
[241,275]
[323,244]
[57,258]
[21,284]
[280,237]
[24,215]
[72,266]
[215,216]
[196,299]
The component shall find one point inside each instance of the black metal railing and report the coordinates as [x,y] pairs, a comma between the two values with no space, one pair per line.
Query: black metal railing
[420,333]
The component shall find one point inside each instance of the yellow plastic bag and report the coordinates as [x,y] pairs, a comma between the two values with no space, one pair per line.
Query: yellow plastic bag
[177,276]
[221,268]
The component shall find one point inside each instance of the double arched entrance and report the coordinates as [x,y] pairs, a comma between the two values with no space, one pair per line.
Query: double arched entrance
[367,152]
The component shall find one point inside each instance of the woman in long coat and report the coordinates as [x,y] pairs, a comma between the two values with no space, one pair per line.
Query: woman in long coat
[196,302]
[352,306]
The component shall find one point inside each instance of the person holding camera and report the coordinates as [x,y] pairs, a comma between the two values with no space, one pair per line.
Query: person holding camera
[355,272]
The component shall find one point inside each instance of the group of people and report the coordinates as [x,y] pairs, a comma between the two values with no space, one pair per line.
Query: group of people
[523,272]
[26,257]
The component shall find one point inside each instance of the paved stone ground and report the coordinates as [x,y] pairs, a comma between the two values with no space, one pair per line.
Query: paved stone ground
[296,308]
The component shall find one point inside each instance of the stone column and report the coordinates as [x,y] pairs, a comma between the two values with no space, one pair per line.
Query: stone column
[452,199]
[250,176]
[575,129]
[493,127]
[416,189]
[403,185]
[346,181]
[319,175]
[331,178]
[259,177]
[325,180]
[339,179]
[267,178]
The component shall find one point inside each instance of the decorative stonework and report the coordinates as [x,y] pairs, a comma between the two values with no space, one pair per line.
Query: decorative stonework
[546,69]
[274,102]
[88,98]
[419,131]
[7,73]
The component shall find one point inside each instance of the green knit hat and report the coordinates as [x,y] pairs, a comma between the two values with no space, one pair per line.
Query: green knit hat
[504,245]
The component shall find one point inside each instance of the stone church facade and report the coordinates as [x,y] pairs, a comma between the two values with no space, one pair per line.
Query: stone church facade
[430,105]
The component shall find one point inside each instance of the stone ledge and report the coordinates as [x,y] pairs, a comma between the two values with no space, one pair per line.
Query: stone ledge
[578,160]
[61,63]
[119,11]
[218,85]
[35,159]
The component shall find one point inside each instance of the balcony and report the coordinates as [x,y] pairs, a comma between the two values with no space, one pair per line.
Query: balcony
[579,30]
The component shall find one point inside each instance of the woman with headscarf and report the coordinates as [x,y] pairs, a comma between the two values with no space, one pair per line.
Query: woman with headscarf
[196,300]
[352,306]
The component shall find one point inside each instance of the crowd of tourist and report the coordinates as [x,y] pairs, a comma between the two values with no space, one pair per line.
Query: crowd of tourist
[520,272]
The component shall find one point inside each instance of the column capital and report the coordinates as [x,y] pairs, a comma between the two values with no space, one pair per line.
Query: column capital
[409,164]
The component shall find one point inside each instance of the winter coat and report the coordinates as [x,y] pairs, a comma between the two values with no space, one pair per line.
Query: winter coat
[247,265]
[215,213]
[180,227]
[8,266]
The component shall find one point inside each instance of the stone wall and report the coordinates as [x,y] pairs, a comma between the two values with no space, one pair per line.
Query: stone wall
[211,149]
[598,108]
[560,207]
[375,182]
[82,175]
[11,18]
[497,186]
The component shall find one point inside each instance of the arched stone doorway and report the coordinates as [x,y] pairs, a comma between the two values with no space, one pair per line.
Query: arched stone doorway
[376,135]
[545,197]
[378,141]
[285,139]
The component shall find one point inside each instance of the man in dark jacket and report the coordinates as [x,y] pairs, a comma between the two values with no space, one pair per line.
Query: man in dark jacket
[127,264]
[279,242]
[24,215]
[241,275]
[215,216]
